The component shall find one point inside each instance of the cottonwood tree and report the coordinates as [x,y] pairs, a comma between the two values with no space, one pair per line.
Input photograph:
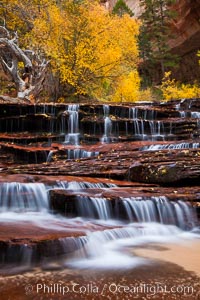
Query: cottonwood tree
[90,48]
[91,51]
[26,68]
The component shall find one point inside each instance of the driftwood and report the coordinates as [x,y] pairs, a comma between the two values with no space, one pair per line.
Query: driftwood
[9,99]
[29,82]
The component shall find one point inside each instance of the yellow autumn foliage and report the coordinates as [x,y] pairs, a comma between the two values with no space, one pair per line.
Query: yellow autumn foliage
[174,90]
[90,49]
[18,15]
[127,89]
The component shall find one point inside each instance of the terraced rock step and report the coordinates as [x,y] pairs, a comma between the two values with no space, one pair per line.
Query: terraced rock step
[162,166]
[72,203]
[73,177]
[25,242]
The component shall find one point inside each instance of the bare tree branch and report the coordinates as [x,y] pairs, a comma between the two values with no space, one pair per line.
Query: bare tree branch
[30,82]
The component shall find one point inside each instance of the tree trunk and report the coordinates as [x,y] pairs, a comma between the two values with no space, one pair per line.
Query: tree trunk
[29,84]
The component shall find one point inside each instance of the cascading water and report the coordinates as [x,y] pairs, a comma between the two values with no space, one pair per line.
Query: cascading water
[80,153]
[139,113]
[170,146]
[104,250]
[106,223]
[157,129]
[49,156]
[16,196]
[74,154]
[195,114]
[139,128]
[73,125]
[159,209]
[133,113]
[107,137]
[75,185]
[93,207]
[29,202]
[145,127]
[154,209]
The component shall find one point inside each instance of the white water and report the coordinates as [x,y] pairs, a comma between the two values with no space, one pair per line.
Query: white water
[160,209]
[105,249]
[170,146]
[195,114]
[189,114]
[75,185]
[26,197]
[157,128]
[16,196]
[80,153]
[49,156]
[145,125]
[146,114]
[73,125]
[149,129]
[107,136]
[92,207]
[27,204]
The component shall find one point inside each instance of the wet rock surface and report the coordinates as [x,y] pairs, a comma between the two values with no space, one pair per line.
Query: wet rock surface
[174,125]
[28,242]
[124,161]
[97,156]
[143,283]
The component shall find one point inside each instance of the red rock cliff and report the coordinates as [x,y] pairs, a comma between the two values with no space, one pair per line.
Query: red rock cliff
[186,30]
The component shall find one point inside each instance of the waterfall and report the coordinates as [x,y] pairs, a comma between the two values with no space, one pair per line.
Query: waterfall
[145,125]
[133,113]
[73,125]
[33,197]
[107,136]
[102,249]
[94,223]
[148,129]
[182,114]
[80,153]
[157,128]
[15,196]
[159,209]
[188,114]
[139,127]
[75,185]
[139,113]
[154,219]
[91,207]
[106,110]
[170,146]
[154,209]
[49,156]
[195,114]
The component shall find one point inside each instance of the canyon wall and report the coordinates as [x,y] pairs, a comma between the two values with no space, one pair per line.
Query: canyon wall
[186,32]
[186,42]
